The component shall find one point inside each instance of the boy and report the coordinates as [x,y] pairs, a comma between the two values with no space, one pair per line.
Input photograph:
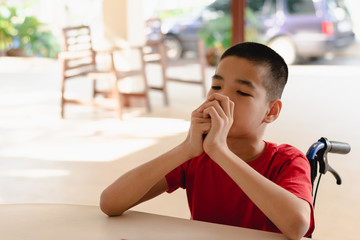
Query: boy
[230,174]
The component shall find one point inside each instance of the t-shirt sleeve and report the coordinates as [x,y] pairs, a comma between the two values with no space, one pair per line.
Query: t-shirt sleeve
[177,178]
[294,176]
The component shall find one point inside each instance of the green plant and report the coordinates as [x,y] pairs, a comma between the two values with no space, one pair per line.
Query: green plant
[216,35]
[34,37]
[7,29]
[26,33]
[216,32]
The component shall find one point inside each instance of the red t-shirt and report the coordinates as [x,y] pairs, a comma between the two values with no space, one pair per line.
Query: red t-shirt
[214,197]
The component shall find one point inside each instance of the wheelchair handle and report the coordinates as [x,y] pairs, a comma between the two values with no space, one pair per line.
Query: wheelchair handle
[335,174]
[317,154]
[338,147]
[332,147]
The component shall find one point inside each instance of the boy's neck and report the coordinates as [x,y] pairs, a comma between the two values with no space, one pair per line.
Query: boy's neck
[246,149]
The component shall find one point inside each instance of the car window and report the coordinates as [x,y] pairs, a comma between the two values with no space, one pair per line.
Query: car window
[216,10]
[255,5]
[220,5]
[210,14]
[269,8]
[337,9]
[296,7]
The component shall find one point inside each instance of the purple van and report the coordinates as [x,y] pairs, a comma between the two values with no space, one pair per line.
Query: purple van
[303,29]
[298,29]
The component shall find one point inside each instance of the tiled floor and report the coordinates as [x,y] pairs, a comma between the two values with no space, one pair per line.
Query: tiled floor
[46,159]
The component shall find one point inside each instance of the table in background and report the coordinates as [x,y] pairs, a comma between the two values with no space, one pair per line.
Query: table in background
[65,222]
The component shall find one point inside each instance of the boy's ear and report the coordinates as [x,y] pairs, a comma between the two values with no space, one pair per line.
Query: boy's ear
[273,111]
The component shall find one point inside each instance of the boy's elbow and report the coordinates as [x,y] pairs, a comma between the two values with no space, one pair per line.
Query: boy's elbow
[298,228]
[108,207]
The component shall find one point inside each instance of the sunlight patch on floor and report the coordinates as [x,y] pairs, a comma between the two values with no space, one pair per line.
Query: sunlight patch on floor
[35,173]
[99,141]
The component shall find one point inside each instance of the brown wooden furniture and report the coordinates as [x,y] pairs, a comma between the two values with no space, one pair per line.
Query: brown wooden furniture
[79,59]
[157,53]
[130,83]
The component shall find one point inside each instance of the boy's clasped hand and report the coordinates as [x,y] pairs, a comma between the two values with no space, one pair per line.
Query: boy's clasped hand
[214,119]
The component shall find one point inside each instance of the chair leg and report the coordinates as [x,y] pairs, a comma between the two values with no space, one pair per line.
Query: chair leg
[163,57]
[202,59]
[203,83]
[94,87]
[147,98]
[94,91]
[146,84]
[203,80]
[117,96]
[62,104]
[63,79]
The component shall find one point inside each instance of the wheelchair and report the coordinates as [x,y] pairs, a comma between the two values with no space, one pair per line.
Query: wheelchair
[318,159]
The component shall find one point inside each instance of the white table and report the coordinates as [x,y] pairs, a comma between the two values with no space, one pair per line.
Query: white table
[68,222]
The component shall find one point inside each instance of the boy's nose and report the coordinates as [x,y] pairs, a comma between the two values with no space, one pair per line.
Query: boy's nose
[227,92]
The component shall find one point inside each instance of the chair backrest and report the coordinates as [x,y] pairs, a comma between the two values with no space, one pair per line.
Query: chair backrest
[78,56]
[159,49]
[77,38]
[154,34]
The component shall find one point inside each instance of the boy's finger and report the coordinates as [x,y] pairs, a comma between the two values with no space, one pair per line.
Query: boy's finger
[213,113]
[205,127]
[201,120]
[196,114]
[223,100]
[201,107]
[232,107]
[217,107]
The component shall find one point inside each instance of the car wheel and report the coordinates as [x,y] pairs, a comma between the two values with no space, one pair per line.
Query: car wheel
[286,48]
[173,47]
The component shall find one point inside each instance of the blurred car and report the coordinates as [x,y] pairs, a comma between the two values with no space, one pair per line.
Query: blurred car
[297,29]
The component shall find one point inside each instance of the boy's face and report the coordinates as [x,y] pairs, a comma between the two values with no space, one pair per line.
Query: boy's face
[241,81]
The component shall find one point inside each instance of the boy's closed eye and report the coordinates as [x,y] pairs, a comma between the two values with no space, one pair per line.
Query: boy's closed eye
[214,87]
[243,94]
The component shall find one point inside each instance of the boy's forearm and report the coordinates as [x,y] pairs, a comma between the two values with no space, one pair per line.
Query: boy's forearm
[128,189]
[289,213]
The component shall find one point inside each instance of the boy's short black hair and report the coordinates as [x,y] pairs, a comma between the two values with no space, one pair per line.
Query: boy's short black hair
[261,54]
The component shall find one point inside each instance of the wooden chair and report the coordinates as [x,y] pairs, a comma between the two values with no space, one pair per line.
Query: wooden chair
[79,59]
[157,53]
[127,86]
